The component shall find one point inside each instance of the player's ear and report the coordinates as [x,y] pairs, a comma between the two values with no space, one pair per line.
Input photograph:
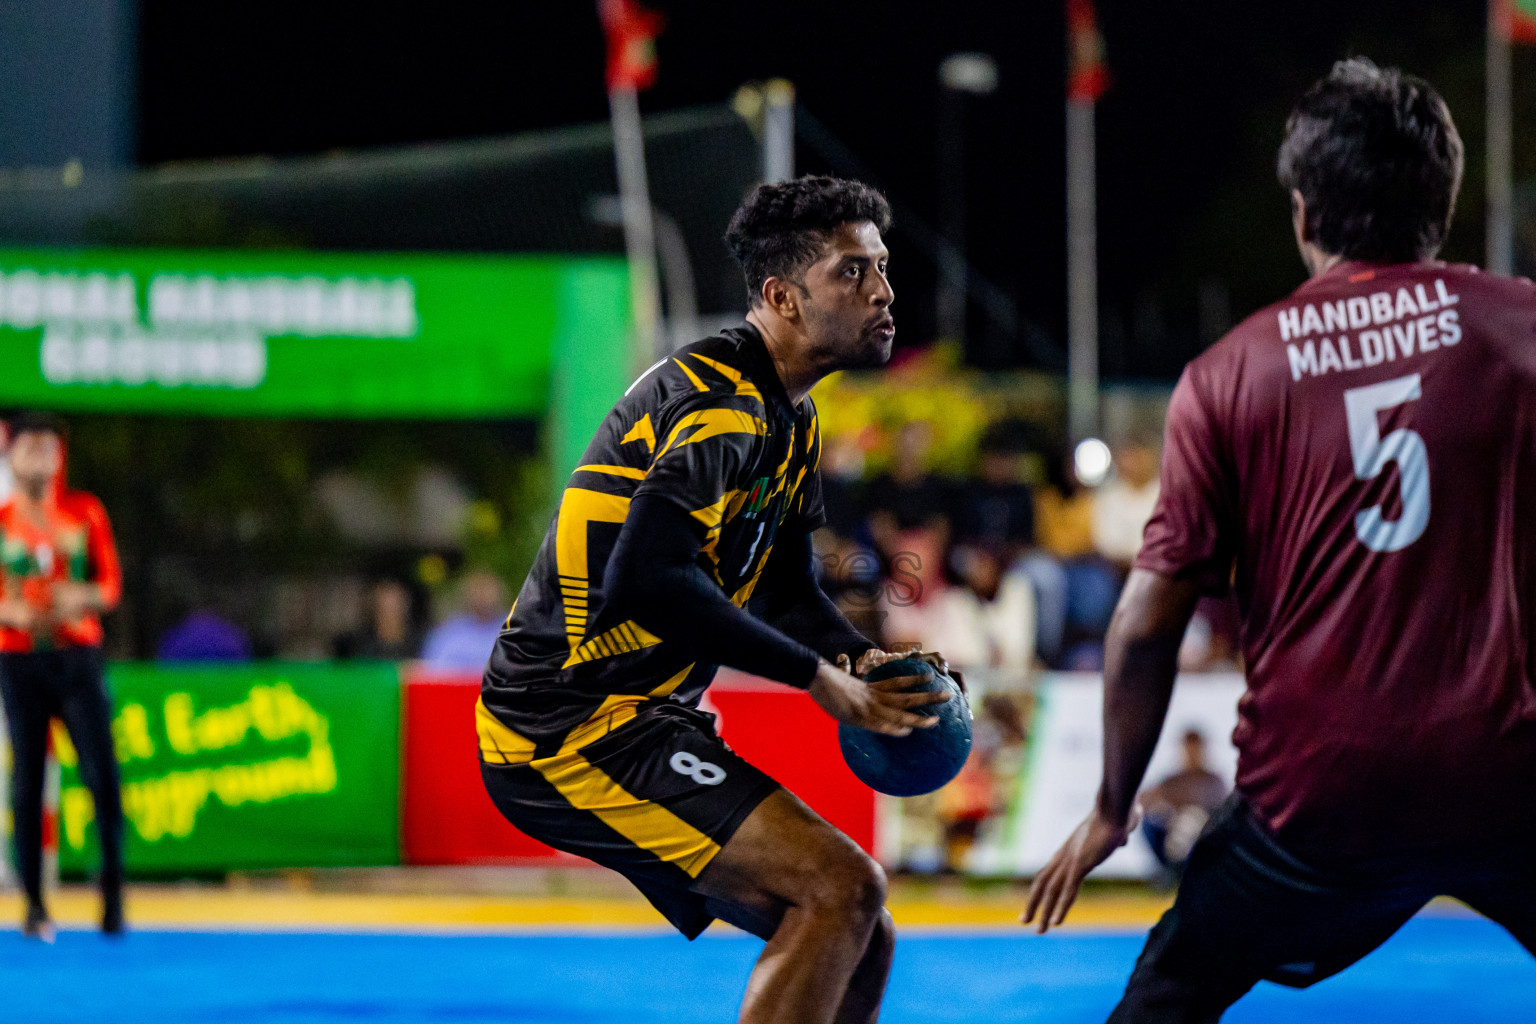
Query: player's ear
[781,296]
[1299,216]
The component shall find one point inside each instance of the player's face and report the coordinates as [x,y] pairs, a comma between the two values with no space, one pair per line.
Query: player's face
[35,457]
[847,300]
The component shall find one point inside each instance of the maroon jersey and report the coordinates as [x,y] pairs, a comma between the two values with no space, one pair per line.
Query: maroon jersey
[1359,462]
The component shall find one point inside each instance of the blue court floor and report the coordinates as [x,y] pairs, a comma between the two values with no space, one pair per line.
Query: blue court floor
[1435,970]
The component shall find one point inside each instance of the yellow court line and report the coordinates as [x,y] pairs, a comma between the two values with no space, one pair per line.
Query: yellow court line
[201,908]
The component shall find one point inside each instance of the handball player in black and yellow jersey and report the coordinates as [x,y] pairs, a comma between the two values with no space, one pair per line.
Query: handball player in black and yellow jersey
[683,543]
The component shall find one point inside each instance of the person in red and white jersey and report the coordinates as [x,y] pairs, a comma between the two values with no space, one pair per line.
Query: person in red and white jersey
[1358,463]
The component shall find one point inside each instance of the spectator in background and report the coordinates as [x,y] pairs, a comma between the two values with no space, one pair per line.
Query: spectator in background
[391,633]
[1122,506]
[60,573]
[997,510]
[911,496]
[203,635]
[1064,512]
[849,573]
[842,483]
[1075,587]
[465,640]
[909,520]
[1176,809]
[986,623]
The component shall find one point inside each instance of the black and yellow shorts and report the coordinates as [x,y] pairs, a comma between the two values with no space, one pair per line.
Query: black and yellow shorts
[655,799]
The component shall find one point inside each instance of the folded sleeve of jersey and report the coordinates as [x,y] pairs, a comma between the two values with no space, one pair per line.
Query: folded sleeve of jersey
[1191,532]
[654,577]
[795,603]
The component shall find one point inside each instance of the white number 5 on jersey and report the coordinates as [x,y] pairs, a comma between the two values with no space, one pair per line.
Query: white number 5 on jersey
[1372,452]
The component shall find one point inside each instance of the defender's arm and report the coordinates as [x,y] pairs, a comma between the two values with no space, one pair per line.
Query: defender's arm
[1141,660]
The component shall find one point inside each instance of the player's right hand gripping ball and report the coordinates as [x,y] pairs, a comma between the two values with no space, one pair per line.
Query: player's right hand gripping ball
[923,760]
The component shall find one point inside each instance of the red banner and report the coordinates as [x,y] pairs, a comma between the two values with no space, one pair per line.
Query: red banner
[448,819]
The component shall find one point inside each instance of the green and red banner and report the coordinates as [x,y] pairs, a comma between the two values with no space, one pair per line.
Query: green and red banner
[240,767]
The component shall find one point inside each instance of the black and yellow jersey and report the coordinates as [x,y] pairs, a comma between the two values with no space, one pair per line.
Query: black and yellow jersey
[710,429]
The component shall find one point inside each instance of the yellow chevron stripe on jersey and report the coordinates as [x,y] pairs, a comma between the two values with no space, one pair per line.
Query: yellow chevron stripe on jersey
[691,376]
[579,508]
[630,471]
[708,423]
[625,638]
[499,744]
[730,373]
[642,431]
[666,688]
[713,517]
[744,592]
[502,745]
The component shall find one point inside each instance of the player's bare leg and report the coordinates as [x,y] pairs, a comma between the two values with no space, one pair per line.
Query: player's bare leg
[820,901]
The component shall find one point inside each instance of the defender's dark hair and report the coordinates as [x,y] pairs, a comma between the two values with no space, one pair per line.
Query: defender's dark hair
[31,421]
[1376,156]
[781,228]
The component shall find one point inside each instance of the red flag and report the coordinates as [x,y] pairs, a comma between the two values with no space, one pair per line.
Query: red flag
[1087,75]
[1520,18]
[632,32]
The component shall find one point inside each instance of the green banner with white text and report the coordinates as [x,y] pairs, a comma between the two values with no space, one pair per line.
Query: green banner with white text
[265,765]
[257,333]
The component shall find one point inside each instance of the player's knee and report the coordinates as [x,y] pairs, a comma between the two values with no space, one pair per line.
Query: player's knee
[853,886]
[882,941]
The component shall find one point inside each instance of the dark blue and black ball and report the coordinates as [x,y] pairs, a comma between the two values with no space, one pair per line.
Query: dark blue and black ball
[924,759]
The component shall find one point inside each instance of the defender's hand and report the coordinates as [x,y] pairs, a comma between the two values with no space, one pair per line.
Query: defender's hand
[879,707]
[1055,887]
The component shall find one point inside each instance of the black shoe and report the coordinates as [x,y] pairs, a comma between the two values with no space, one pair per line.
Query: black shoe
[112,914]
[37,925]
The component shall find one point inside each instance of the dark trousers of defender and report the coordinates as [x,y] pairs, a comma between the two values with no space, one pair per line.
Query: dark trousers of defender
[1250,910]
[68,684]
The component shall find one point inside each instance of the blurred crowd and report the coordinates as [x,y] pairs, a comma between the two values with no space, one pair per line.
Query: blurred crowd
[392,629]
[1014,567]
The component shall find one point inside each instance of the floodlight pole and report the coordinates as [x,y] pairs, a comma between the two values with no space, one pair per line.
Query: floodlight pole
[778,131]
[1499,167]
[639,230]
[1082,274]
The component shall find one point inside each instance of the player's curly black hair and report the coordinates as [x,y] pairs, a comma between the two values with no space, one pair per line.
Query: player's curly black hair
[781,228]
[29,421]
[1376,156]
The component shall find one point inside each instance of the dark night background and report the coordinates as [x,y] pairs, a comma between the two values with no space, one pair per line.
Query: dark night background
[1187,134]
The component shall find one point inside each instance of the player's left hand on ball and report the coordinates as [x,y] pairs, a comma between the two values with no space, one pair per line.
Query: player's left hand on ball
[1055,887]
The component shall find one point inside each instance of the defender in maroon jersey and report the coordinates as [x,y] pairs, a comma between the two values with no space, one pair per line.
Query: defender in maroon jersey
[1359,463]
